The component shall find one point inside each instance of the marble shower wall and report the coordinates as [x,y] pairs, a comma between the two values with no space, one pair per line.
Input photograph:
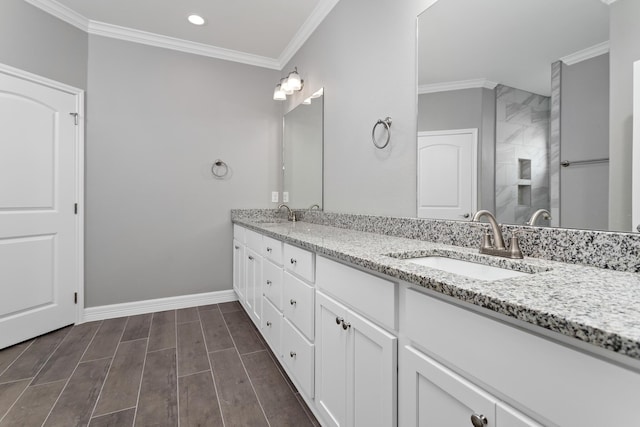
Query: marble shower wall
[522,154]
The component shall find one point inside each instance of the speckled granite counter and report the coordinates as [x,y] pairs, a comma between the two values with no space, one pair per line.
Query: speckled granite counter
[597,306]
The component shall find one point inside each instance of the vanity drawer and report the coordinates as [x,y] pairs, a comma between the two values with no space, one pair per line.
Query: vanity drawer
[298,356]
[299,262]
[533,371]
[272,326]
[254,241]
[272,249]
[272,283]
[370,295]
[298,303]
[239,233]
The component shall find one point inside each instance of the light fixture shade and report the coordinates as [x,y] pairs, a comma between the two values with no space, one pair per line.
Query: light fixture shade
[278,93]
[293,81]
[286,87]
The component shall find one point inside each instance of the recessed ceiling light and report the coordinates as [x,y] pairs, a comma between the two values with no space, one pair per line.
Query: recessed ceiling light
[196,19]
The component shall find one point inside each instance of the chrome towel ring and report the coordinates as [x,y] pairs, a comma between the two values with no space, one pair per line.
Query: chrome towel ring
[219,169]
[387,124]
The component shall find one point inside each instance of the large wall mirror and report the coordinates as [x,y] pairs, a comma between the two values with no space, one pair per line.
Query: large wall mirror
[531,77]
[302,153]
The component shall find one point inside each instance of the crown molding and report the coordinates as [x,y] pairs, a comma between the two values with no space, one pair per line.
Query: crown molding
[317,16]
[61,12]
[588,53]
[157,40]
[457,85]
[608,2]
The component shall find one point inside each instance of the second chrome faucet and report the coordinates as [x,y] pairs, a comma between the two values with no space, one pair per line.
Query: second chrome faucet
[497,246]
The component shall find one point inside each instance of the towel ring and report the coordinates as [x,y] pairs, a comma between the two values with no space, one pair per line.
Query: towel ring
[219,169]
[387,124]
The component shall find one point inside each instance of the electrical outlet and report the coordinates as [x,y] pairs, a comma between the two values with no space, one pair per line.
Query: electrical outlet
[274,196]
[285,196]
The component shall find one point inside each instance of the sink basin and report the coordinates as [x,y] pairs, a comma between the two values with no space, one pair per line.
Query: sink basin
[467,268]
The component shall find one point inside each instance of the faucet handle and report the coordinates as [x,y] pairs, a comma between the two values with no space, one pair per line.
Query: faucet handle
[514,247]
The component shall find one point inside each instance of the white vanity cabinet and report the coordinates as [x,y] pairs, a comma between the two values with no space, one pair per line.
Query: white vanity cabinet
[239,284]
[355,368]
[356,360]
[432,395]
[474,364]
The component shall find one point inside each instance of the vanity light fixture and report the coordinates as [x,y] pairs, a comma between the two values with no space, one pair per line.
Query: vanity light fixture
[196,19]
[288,85]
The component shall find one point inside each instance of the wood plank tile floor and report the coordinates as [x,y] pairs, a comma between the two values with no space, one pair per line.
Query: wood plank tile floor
[204,366]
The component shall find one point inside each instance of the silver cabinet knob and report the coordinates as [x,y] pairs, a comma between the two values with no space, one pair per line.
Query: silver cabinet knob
[269,249]
[339,320]
[292,302]
[345,325]
[292,354]
[479,420]
[250,258]
[294,261]
[268,282]
[465,215]
[268,323]
[237,247]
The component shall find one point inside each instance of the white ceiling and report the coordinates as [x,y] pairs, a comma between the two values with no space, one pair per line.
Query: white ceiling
[512,42]
[264,33]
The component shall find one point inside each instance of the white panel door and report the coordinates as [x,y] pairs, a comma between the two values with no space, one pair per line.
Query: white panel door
[635,183]
[371,374]
[431,395]
[447,183]
[38,233]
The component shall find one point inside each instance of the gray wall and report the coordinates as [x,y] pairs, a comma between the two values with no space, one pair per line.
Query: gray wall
[465,109]
[157,222]
[584,121]
[35,41]
[625,50]
[364,54]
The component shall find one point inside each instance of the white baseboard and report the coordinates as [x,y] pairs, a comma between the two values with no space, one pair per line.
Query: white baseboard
[161,304]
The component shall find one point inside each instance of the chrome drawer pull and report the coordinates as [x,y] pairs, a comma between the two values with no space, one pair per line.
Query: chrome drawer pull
[345,326]
[268,323]
[478,420]
[292,354]
[250,258]
[237,247]
[294,261]
[269,282]
[269,249]
[292,302]
[339,320]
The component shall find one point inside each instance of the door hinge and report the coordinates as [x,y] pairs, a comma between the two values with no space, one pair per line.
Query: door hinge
[75,208]
[75,118]
[75,297]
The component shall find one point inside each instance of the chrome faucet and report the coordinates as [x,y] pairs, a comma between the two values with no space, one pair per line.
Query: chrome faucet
[292,215]
[496,247]
[545,214]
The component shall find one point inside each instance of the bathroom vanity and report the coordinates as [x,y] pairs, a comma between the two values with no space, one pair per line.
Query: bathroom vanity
[371,338]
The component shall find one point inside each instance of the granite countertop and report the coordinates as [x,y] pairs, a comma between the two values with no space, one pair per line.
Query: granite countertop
[597,306]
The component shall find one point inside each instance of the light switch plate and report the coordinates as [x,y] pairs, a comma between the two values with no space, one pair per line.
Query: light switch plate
[274,196]
[285,196]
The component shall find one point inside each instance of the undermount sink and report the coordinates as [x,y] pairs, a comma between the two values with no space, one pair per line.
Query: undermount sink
[467,268]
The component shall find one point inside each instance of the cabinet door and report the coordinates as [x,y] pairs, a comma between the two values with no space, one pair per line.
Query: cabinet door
[371,374]
[331,361]
[238,270]
[506,416]
[253,277]
[432,395]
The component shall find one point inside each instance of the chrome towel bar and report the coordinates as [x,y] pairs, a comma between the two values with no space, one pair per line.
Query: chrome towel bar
[567,163]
